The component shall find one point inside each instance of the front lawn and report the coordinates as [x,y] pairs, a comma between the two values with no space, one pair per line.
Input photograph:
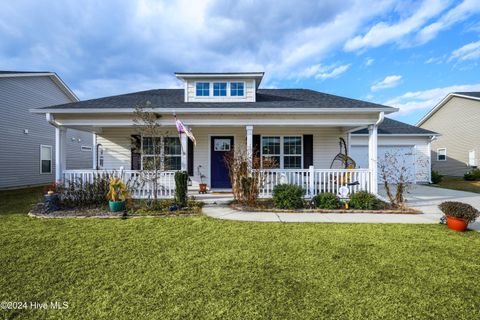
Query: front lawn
[456,183]
[197,267]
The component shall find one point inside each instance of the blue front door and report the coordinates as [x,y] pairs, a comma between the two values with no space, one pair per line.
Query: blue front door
[220,146]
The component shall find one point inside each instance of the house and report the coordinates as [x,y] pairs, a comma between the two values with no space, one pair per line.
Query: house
[27,140]
[298,128]
[456,118]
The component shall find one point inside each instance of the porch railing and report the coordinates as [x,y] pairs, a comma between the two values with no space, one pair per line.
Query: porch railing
[141,183]
[315,181]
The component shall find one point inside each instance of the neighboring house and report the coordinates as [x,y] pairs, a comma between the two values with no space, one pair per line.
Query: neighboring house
[409,144]
[298,128]
[456,118]
[27,141]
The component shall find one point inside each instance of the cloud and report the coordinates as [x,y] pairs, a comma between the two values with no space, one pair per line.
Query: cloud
[116,41]
[382,32]
[369,61]
[469,51]
[388,82]
[412,101]
[459,13]
[320,72]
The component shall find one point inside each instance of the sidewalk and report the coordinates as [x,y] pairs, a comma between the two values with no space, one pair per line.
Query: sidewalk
[220,211]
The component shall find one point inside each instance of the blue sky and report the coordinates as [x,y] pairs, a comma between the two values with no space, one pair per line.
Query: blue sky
[407,54]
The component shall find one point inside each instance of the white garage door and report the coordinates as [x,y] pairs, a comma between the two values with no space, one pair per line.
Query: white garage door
[405,156]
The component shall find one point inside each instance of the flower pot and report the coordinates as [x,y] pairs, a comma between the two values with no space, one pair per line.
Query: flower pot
[456,224]
[116,206]
[202,188]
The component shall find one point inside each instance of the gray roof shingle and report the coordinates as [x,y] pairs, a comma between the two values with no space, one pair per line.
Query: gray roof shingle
[470,94]
[390,126]
[266,98]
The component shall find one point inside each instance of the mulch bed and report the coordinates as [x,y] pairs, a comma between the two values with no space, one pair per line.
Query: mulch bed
[267,209]
[39,211]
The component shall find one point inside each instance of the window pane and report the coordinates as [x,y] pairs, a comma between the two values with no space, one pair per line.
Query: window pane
[292,145]
[46,166]
[173,146]
[173,163]
[147,145]
[46,153]
[202,89]
[220,89]
[271,145]
[236,89]
[149,163]
[271,162]
[292,162]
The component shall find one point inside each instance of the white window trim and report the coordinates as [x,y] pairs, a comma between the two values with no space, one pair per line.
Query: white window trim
[162,152]
[51,158]
[210,88]
[474,158]
[282,154]
[438,154]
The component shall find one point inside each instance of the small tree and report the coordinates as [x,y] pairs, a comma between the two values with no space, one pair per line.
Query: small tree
[146,122]
[395,177]
[246,183]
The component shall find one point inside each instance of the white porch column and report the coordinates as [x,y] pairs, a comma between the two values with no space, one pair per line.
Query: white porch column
[372,157]
[184,142]
[250,146]
[60,152]
[94,151]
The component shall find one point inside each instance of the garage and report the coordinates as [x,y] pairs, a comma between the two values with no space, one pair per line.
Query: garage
[409,145]
[404,156]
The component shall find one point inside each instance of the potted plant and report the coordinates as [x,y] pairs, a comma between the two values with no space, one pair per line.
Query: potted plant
[202,186]
[458,214]
[117,194]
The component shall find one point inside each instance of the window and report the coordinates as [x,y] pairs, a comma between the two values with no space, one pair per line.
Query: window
[162,154]
[271,150]
[292,151]
[442,154]
[219,89]
[222,145]
[203,89]
[472,160]
[286,152]
[86,148]
[236,89]
[45,159]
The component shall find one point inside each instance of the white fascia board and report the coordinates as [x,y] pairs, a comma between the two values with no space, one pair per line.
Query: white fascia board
[441,104]
[398,135]
[218,75]
[221,110]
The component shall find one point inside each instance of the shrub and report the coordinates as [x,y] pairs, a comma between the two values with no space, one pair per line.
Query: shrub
[326,200]
[82,194]
[436,177]
[117,191]
[472,175]
[181,188]
[288,196]
[363,200]
[459,210]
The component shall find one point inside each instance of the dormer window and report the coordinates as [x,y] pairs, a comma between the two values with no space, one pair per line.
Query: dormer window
[236,89]
[203,89]
[219,89]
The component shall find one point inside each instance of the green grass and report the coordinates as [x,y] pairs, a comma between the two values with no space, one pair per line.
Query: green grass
[459,184]
[196,267]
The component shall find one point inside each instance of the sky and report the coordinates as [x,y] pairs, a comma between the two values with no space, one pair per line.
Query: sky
[405,54]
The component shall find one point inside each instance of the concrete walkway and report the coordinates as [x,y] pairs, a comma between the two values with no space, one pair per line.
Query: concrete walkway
[423,198]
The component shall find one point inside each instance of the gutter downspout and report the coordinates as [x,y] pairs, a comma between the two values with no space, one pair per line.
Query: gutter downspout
[51,119]
[381,117]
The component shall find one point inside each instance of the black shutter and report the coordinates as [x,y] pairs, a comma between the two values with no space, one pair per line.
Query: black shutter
[136,152]
[307,150]
[256,149]
[190,158]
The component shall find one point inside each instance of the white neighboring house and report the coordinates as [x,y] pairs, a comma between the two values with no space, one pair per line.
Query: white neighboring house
[298,128]
[27,141]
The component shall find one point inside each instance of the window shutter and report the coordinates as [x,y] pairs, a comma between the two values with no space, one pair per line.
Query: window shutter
[307,150]
[190,158]
[256,148]
[136,152]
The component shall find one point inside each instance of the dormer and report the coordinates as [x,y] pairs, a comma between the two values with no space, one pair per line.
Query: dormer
[220,87]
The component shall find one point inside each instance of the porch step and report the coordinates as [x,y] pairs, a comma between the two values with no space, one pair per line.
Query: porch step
[212,197]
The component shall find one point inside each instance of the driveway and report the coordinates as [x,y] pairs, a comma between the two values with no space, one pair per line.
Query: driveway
[427,199]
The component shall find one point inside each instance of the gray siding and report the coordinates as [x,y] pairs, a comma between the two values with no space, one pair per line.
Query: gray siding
[457,122]
[20,152]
